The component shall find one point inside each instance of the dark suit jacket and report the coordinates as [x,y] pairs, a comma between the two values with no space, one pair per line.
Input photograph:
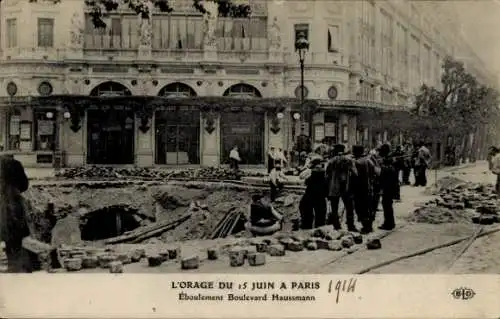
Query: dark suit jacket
[13,223]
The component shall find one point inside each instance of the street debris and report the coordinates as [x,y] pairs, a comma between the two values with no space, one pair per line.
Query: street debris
[102,173]
[459,202]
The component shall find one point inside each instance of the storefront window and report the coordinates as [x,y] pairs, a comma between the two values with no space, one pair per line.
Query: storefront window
[45,128]
[331,129]
[14,132]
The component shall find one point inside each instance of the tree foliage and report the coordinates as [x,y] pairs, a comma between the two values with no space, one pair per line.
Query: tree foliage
[459,107]
[99,9]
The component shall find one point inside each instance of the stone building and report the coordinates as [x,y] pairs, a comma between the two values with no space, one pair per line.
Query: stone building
[183,88]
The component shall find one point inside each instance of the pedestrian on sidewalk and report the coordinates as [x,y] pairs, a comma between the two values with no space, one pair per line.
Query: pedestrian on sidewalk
[234,158]
[407,163]
[495,166]
[422,163]
[388,185]
[13,218]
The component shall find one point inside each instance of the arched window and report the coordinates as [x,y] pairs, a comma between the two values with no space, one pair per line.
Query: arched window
[177,90]
[242,90]
[110,89]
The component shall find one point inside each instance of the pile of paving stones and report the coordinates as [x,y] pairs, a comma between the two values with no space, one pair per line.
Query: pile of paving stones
[252,251]
[205,173]
[460,202]
[78,258]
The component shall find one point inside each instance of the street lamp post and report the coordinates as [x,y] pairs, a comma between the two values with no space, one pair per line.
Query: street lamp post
[301,47]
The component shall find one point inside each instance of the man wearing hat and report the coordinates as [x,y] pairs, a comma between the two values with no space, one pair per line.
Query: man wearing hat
[264,219]
[339,171]
[388,184]
[362,187]
[313,203]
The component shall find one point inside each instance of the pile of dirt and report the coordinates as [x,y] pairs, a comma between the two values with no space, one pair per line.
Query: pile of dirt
[456,202]
[440,215]
[103,173]
[445,183]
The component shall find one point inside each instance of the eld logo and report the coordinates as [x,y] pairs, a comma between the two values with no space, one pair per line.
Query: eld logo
[463,293]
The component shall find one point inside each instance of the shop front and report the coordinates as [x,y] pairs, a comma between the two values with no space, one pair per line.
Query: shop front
[244,129]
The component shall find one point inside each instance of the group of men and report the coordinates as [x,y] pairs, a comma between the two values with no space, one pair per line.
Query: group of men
[359,178]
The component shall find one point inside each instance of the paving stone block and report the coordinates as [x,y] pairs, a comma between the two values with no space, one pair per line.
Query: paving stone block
[212,254]
[154,260]
[192,262]
[256,259]
[73,264]
[276,250]
[90,262]
[116,267]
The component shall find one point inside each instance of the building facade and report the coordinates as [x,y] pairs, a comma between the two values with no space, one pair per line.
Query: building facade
[64,84]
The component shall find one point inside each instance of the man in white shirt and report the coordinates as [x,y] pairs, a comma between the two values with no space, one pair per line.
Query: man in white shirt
[234,158]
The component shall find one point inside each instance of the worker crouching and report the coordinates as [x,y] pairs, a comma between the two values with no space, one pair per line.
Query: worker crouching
[264,220]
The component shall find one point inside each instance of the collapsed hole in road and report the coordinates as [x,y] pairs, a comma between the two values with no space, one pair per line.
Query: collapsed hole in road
[108,222]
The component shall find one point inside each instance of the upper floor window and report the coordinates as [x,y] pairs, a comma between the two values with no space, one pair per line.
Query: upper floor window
[46,32]
[333,38]
[11,33]
[301,28]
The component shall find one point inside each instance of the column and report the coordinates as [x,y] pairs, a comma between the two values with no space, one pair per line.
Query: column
[75,143]
[210,139]
[3,128]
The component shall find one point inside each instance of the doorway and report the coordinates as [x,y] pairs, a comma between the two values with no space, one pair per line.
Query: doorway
[246,130]
[110,136]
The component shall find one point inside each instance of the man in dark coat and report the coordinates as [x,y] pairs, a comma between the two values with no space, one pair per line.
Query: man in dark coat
[13,222]
[407,163]
[388,185]
[362,186]
[375,158]
[339,171]
[313,203]
[398,160]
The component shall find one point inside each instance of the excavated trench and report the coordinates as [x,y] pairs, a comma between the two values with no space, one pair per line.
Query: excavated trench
[168,212]
[108,222]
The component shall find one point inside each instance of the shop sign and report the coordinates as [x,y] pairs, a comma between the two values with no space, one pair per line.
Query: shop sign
[26,131]
[241,130]
[45,127]
[330,129]
[15,123]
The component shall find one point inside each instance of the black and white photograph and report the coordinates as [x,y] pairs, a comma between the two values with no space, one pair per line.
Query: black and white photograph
[249,137]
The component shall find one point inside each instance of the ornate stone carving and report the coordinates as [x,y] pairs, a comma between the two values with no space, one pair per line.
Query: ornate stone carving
[210,23]
[146,31]
[77,30]
[275,35]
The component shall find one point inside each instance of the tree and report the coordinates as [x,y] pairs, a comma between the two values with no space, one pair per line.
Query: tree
[460,108]
[101,8]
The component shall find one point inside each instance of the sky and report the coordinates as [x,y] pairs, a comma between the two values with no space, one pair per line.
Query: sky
[480,21]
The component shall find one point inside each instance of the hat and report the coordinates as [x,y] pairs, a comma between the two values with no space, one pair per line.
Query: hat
[339,148]
[384,150]
[358,150]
